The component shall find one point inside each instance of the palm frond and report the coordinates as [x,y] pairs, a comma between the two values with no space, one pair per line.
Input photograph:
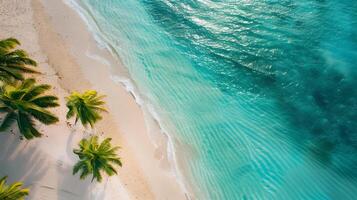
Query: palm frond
[115,161]
[17,53]
[9,119]
[95,158]
[14,62]
[26,126]
[46,101]
[78,166]
[27,100]
[35,91]
[7,44]
[7,71]
[42,115]
[86,107]
[23,69]
[110,170]
[26,84]
[13,191]
[17,94]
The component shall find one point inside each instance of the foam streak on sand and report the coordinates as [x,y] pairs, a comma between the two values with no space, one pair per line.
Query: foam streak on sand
[70,59]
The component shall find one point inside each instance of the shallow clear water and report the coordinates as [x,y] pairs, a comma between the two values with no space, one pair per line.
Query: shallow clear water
[259,96]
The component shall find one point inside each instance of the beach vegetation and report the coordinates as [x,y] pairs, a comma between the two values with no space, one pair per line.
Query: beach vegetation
[25,102]
[14,63]
[13,191]
[96,158]
[85,107]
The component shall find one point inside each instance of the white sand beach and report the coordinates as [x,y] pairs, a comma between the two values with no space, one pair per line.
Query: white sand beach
[58,39]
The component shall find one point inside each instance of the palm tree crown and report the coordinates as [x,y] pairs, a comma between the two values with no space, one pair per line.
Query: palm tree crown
[13,191]
[85,107]
[23,102]
[13,63]
[95,157]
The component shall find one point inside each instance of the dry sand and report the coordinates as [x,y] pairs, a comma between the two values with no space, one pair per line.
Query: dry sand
[59,40]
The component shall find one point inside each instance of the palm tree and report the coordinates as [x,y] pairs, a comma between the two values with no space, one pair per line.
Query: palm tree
[13,63]
[85,107]
[13,191]
[24,102]
[95,157]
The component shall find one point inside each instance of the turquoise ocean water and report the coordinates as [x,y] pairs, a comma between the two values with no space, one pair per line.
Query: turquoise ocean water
[259,96]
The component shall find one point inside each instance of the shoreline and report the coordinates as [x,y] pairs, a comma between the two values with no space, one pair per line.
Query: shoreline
[168,186]
[66,49]
[159,137]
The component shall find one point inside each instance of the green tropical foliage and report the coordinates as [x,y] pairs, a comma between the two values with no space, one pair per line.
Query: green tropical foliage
[85,107]
[96,158]
[14,62]
[24,102]
[13,191]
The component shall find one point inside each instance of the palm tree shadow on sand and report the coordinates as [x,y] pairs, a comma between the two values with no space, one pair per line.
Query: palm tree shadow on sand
[71,187]
[21,161]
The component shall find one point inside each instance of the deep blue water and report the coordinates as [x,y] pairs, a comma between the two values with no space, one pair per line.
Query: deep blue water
[259,96]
